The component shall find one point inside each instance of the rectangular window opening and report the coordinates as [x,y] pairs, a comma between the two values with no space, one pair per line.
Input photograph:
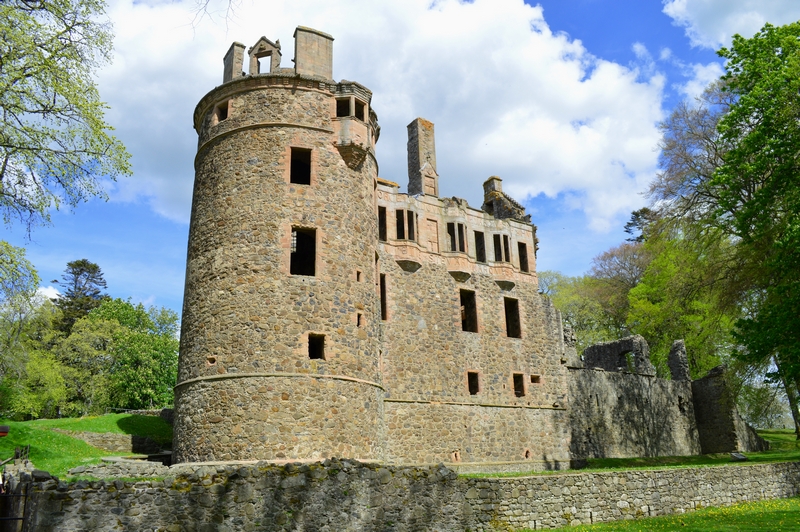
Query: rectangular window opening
[401,224]
[360,108]
[382,224]
[461,240]
[513,329]
[359,320]
[519,384]
[411,232]
[265,64]
[316,346]
[536,379]
[480,247]
[498,249]
[473,382]
[383,297]
[469,311]
[304,252]
[221,111]
[343,108]
[300,169]
[451,233]
[523,256]
[506,249]
[358,276]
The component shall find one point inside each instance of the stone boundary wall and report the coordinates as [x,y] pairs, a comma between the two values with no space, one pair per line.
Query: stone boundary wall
[343,495]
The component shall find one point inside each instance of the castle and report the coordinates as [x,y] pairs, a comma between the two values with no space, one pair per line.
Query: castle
[329,314]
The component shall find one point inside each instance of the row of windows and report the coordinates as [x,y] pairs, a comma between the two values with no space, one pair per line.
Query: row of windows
[345,107]
[469,314]
[316,351]
[303,262]
[517,379]
[408,221]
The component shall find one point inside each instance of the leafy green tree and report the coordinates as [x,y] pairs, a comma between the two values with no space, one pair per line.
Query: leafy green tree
[729,169]
[581,309]
[87,356]
[144,352]
[759,189]
[18,284]
[55,146]
[83,281]
[680,297]
[42,391]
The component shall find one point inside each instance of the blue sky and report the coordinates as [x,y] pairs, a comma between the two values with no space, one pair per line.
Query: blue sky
[560,98]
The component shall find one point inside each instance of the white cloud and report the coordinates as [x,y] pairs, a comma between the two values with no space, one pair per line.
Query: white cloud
[508,96]
[701,77]
[44,293]
[712,23]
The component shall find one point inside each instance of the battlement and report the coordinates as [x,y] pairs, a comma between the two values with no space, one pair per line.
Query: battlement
[313,56]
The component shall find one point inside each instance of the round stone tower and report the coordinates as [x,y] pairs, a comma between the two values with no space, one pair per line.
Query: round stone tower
[279,354]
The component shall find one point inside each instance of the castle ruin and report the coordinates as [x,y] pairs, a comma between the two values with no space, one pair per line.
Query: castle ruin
[328,314]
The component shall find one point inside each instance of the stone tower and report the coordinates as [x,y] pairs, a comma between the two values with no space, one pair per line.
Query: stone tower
[280,336]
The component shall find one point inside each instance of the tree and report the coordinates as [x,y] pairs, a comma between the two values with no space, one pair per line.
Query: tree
[144,354]
[55,146]
[82,281]
[730,169]
[680,297]
[615,273]
[581,309]
[18,284]
[759,198]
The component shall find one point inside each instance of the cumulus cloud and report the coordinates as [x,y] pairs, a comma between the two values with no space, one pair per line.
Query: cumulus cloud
[712,23]
[508,96]
[43,293]
[701,77]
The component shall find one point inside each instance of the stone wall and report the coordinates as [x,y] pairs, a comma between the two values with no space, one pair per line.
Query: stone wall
[614,415]
[345,495]
[720,426]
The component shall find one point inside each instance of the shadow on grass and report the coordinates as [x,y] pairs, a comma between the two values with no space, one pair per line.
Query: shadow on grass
[151,427]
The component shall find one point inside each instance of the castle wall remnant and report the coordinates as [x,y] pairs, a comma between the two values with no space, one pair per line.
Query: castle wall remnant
[721,428]
[619,408]
[631,354]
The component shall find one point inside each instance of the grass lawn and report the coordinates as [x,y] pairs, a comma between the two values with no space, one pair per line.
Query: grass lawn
[778,514]
[57,453]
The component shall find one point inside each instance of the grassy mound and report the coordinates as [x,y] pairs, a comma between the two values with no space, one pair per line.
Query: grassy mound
[57,453]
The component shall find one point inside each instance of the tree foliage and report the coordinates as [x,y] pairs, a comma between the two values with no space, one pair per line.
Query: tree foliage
[18,284]
[114,355]
[759,186]
[55,146]
[83,283]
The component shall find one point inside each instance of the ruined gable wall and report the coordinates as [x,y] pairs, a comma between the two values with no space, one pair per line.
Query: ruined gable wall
[721,428]
[429,411]
[616,415]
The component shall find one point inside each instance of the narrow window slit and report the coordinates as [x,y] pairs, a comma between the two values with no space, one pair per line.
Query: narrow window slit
[519,384]
[473,382]
[480,247]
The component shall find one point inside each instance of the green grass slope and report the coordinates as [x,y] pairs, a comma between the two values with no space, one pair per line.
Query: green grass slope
[57,453]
